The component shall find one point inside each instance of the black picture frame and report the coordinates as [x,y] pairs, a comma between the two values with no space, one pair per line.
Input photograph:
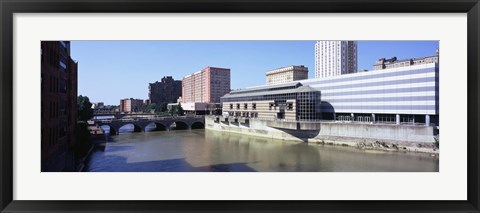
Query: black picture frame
[9,7]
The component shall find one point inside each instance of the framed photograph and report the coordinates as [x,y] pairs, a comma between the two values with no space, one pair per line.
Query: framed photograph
[239,106]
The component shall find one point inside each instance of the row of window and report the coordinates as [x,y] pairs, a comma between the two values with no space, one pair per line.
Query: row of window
[244,114]
[281,105]
[245,106]
[381,118]
[56,109]
[58,85]
[55,58]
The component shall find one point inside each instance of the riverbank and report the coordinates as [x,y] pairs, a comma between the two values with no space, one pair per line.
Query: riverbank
[385,137]
[97,141]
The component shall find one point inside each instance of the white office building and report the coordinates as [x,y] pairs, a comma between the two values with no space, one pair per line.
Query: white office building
[333,58]
[401,95]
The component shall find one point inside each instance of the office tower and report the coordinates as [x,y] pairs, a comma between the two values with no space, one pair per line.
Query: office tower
[334,58]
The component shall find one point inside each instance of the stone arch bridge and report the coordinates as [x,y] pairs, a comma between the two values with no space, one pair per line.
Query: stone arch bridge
[161,123]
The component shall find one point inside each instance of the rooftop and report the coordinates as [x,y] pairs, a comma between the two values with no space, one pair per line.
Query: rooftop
[294,88]
[288,68]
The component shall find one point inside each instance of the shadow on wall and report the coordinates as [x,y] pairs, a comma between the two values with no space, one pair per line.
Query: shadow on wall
[302,135]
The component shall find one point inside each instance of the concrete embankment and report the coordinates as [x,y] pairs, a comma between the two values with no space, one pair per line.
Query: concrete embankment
[366,136]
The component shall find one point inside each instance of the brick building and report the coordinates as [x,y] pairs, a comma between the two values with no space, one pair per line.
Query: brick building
[166,91]
[58,106]
[131,105]
[206,85]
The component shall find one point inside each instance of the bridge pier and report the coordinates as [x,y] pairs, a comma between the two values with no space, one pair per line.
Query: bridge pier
[113,131]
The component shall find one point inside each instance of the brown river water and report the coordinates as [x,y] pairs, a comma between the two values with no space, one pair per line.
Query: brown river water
[202,150]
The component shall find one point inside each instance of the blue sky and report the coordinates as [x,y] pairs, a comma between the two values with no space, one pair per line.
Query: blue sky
[111,70]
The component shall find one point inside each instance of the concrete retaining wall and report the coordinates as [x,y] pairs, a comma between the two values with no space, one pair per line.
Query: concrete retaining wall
[352,134]
[420,134]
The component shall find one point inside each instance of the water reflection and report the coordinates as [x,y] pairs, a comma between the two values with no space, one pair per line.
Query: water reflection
[205,150]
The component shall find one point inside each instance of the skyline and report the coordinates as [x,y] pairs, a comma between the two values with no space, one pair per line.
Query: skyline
[131,65]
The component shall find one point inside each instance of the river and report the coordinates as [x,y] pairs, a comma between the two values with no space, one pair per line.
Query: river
[203,150]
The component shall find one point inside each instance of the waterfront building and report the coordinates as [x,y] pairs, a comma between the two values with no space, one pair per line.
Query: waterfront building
[129,105]
[166,91]
[204,87]
[333,58]
[383,63]
[407,94]
[195,108]
[287,74]
[289,101]
[58,106]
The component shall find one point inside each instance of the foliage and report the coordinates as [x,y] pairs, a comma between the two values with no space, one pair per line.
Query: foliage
[155,108]
[176,110]
[148,108]
[84,107]
[161,107]
[162,113]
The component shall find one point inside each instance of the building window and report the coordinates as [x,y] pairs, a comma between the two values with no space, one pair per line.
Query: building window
[238,106]
[254,106]
[245,106]
[64,45]
[289,106]
[63,63]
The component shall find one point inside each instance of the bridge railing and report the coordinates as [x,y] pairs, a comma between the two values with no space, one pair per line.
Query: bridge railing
[155,118]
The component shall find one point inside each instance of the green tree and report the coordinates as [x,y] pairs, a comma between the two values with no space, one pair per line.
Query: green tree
[84,107]
[180,109]
[161,107]
[176,110]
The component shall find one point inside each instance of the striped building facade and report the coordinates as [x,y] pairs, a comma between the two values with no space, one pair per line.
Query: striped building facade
[402,95]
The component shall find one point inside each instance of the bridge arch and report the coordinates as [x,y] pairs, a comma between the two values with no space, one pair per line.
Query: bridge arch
[136,128]
[197,125]
[157,126]
[178,125]
[161,127]
[111,129]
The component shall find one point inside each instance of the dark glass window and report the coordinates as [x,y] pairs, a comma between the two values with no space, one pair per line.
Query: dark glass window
[63,63]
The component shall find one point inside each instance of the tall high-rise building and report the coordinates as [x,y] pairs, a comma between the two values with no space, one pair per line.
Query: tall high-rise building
[206,85]
[166,91]
[334,58]
[58,106]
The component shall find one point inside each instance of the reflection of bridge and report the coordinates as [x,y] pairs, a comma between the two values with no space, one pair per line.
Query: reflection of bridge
[161,123]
